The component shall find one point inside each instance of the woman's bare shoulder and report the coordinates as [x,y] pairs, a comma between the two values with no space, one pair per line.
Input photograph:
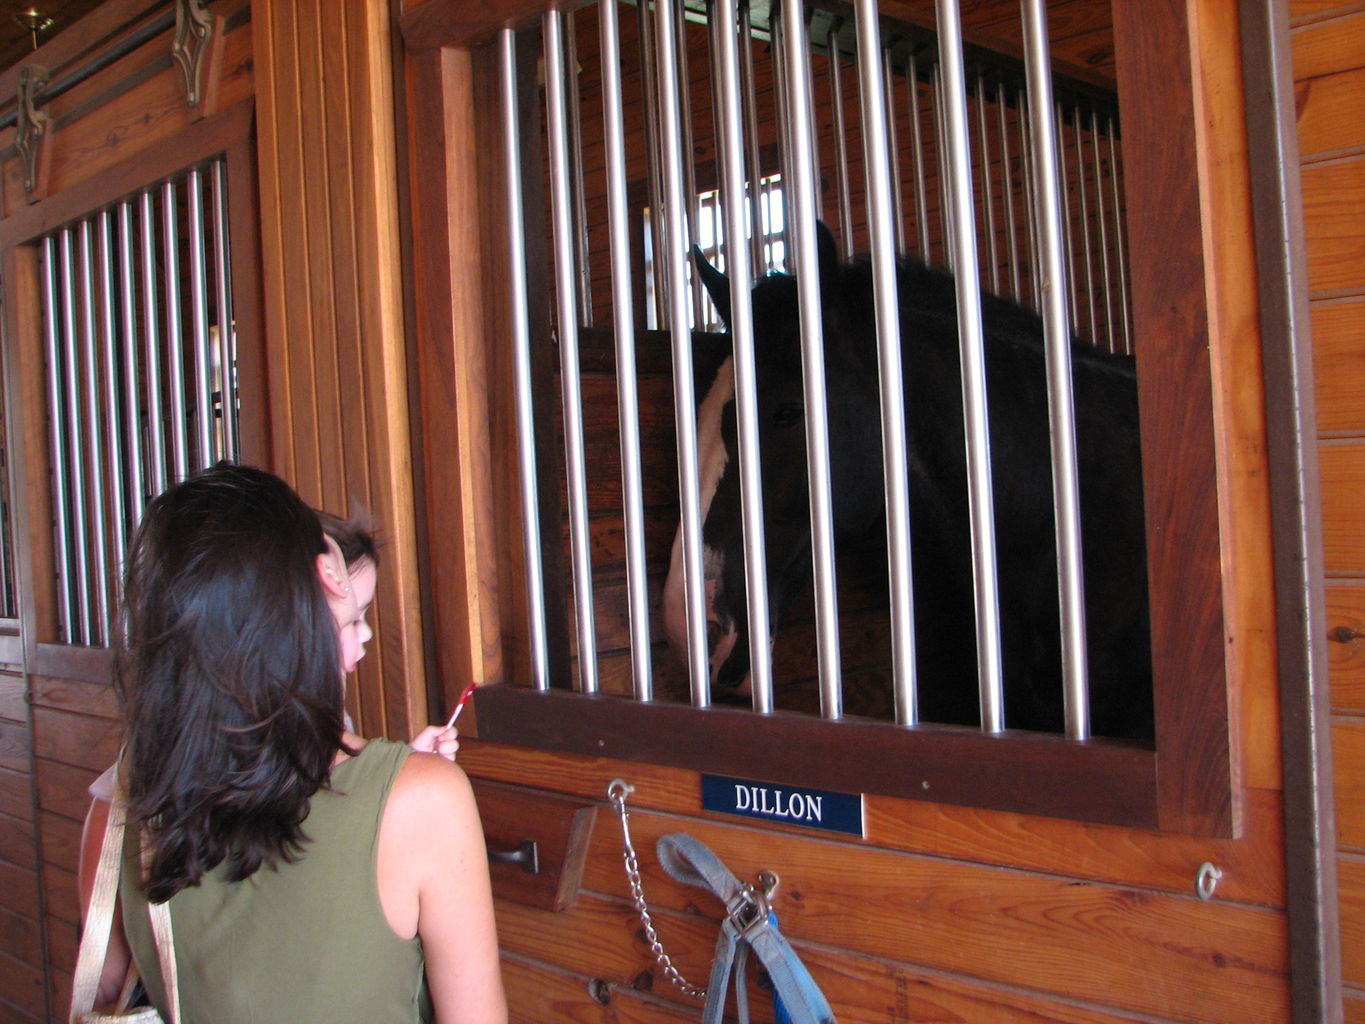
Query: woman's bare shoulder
[430,786]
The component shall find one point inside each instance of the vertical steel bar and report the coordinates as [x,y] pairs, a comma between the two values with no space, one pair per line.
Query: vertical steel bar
[57,419]
[888,90]
[96,523]
[1106,275]
[199,319]
[1007,172]
[987,199]
[157,472]
[757,247]
[1069,234]
[836,89]
[132,414]
[1087,249]
[80,521]
[917,151]
[571,387]
[684,386]
[580,200]
[627,395]
[1120,261]
[1057,342]
[175,339]
[947,225]
[1026,161]
[682,70]
[521,346]
[971,333]
[894,456]
[227,326]
[784,143]
[802,185]
[742,342]
[116,435]
[654,228]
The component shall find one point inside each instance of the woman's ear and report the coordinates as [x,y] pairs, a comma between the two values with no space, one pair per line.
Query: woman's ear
[336,581]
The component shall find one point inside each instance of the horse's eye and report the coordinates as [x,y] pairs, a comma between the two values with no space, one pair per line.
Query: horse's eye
[789,414]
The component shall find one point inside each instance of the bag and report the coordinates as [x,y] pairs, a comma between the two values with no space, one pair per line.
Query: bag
[95,940]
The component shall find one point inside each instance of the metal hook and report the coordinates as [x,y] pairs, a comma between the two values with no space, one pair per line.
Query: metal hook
[617,791]
[1207,880]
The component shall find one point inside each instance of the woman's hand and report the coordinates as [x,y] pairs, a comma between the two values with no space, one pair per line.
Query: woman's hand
[438,739]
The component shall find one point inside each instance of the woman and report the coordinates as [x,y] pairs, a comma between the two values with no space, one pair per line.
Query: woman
[311,875]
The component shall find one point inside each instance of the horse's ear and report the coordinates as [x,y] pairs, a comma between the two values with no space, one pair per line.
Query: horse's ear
[717,284]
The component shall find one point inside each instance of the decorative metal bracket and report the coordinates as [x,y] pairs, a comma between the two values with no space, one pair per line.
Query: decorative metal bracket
[193,31]
[31,124]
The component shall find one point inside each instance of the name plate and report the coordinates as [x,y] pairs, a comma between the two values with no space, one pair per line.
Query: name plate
[789,805]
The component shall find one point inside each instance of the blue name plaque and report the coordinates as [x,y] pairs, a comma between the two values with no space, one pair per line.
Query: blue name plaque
[788,805]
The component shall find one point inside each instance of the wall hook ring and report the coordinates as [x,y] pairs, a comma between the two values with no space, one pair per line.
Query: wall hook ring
[1206,881]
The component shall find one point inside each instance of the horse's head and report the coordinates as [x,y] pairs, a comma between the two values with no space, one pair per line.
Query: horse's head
[781,407]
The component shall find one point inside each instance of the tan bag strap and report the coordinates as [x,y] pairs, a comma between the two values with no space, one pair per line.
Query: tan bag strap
[99,917]
[99,921]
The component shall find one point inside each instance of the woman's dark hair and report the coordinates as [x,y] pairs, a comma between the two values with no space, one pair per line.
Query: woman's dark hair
[229,676]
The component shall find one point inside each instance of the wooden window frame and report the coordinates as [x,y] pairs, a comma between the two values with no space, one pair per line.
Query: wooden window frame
[1185,782]
[226,135]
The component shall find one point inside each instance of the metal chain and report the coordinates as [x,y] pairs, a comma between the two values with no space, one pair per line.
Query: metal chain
[617,792]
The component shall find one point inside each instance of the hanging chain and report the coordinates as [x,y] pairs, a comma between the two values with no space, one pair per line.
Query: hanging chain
[617,792]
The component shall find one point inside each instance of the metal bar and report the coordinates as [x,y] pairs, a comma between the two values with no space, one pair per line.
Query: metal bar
[888,92]
[946,224]
[894,446]
[627,394]
[1117,206]
[57,419]
[96,525]
[116,436]
[132,417]
[836,89]
[757,247]
[521,347]
[121,48]
[227,327]
[75,468]
[199,319]
[970,332]
[654,228]
[1007,168]
[684,386]
[580,205]
[175,340]
[571,387]
[1313,905]
[780,103]
[1087,247]
[157,472]
[1026,160]
[1068,228]
[803,186]
[742,342]
[693,207]
[1106,269]
[917,150]
[1057,344]
[987,199]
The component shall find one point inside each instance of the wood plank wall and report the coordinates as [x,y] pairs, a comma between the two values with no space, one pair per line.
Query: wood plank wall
[334,309]
[1329,71]
[944,913]
[58,719]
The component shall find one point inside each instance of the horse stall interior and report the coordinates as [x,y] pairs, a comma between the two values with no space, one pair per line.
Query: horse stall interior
[369,244]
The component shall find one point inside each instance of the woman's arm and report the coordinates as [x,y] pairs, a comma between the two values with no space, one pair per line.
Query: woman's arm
[433,880]
[118,957]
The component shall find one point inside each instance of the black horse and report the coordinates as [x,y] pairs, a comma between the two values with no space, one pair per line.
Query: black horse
[1110,481]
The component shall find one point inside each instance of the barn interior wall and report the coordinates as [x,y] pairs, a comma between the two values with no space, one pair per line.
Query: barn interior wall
[945,912]
[1328,46]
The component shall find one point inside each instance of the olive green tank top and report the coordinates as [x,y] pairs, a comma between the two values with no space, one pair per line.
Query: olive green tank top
[302,942]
